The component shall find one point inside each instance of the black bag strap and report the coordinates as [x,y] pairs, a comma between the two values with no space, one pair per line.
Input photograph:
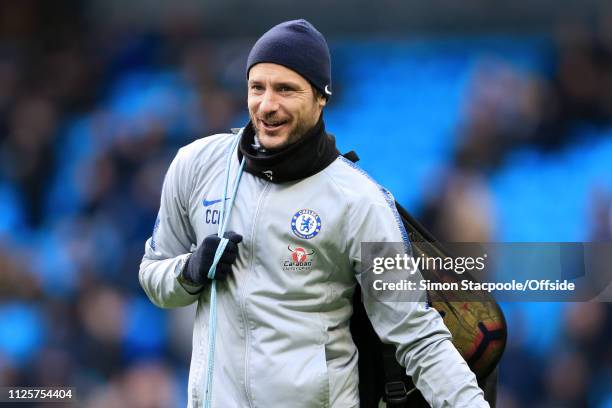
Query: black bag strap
[352,156]
[395,388]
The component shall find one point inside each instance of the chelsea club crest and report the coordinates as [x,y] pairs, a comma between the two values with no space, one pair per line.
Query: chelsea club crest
[306,224]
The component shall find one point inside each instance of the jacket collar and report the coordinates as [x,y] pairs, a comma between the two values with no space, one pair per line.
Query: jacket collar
[304,158]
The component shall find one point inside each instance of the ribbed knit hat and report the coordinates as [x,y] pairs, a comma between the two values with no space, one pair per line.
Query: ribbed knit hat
[297,45]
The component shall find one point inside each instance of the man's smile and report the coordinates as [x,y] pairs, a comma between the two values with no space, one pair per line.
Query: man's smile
[272,125]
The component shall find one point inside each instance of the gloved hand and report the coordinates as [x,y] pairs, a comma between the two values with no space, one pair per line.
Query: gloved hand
[199,263]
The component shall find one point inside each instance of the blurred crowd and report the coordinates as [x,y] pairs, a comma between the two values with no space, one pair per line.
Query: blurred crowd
[558,355]
[509,107]
[89,121]
[90,118]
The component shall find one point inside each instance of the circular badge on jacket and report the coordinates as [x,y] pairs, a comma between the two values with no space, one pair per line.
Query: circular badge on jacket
[306,224]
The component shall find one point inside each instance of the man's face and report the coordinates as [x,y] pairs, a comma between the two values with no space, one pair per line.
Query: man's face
[282,105]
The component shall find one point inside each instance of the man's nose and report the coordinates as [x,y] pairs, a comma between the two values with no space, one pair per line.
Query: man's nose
[269,102]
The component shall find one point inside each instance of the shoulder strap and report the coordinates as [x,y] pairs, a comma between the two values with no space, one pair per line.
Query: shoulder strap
[395,388]
[352,156]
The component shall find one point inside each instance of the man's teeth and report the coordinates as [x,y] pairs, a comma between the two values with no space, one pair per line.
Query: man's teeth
[273,123]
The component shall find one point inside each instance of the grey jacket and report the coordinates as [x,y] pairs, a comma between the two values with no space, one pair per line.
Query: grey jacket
[283,336]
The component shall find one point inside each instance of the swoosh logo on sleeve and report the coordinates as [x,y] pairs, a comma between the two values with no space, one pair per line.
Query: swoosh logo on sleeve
[207,203]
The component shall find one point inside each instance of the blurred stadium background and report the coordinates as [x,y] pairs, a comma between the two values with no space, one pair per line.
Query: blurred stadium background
[488,120]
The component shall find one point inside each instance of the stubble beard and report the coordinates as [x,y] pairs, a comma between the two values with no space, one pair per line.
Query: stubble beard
[295,135]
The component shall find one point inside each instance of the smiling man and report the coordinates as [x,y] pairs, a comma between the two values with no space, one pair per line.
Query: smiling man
[286,278]
[282,104]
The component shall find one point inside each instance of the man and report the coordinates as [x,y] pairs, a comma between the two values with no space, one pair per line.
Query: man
[286,278]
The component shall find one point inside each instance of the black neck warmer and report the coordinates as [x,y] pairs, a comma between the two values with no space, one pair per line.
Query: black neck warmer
[306,157]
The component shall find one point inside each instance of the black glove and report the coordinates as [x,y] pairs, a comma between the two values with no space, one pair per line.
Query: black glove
[199,263]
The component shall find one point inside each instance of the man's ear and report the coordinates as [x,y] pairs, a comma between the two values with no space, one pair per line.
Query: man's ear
[322,101]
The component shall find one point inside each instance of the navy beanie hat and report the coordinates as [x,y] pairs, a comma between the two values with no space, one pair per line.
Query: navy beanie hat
[298,46]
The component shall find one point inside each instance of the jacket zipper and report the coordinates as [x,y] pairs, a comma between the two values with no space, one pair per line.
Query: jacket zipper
[243,299]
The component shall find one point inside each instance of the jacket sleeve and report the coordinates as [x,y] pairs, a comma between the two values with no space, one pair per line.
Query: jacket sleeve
[422,340]
[167,250]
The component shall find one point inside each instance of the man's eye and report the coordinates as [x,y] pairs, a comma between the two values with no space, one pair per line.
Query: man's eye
[285,89]
[257,87]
